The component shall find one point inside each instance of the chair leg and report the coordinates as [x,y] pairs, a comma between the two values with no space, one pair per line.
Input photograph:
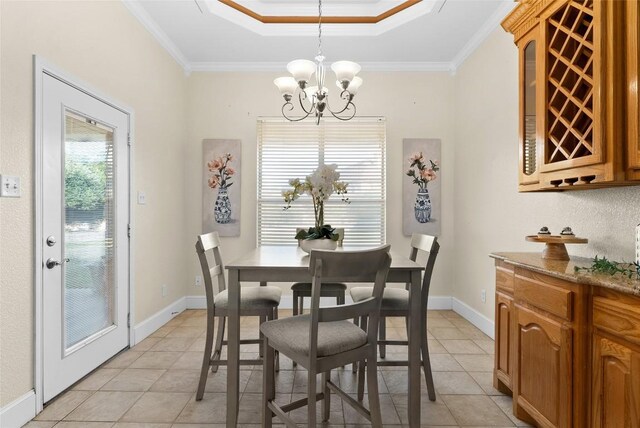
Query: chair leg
[355,363]
[311,398]
[372,389]
[219,338]
[362,365]
[295,303]
[301,301]
[383,336]
[268,384]
[206,358]
[274,316]
[426,362]
[326,403]
[260,322]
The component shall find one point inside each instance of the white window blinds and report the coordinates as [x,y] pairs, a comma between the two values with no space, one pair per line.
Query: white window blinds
[289,150]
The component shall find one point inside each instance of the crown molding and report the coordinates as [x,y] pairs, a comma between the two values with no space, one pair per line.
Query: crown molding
[481,35]
[223,67]
[161,37]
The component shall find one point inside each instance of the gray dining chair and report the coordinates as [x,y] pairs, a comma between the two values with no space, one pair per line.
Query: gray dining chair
[303,289]
[324,340]
[260,301]
[395,303]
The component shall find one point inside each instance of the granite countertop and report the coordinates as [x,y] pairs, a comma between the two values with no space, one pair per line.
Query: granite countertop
[566,270]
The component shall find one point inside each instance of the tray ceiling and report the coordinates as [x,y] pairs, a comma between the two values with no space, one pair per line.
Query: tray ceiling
[264,34]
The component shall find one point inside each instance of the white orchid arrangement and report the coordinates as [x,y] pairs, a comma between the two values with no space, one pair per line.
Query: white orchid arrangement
[320,185]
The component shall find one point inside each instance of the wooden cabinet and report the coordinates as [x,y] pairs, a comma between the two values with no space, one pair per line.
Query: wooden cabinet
[573,97]
[543,368]
[616,361]
[540,334]
[616,384]
[504,345]
[633,85]
[569,352]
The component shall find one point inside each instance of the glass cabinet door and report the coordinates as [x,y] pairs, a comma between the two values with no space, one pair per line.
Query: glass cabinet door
[529,147]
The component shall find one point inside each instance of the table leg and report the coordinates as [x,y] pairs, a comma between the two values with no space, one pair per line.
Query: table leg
[415,316]
[233,349]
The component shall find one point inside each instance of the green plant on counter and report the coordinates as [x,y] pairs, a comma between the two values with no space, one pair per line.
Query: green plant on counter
[602,265]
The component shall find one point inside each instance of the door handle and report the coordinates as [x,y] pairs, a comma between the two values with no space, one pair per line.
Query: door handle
[51,263]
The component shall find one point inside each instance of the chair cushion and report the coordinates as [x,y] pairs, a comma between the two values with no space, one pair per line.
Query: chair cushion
[251,297]
[333,337]
[330,287]
[393,298]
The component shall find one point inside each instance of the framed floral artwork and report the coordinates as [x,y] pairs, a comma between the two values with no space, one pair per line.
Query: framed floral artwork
[421,197]
[221,187]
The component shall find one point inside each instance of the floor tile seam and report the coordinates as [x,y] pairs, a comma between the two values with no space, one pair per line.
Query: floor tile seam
[146,422]
[68,413]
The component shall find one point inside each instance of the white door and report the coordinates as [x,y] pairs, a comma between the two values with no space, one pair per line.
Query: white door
[85,217]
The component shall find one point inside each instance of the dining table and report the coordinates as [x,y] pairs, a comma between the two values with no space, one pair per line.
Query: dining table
[290,264]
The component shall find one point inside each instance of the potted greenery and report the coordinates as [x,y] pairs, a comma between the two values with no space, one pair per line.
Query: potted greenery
[320,185]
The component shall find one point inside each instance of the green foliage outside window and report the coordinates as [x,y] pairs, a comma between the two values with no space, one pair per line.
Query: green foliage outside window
[85,185]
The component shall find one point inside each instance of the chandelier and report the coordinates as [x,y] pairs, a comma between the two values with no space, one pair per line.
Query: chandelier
[315,99]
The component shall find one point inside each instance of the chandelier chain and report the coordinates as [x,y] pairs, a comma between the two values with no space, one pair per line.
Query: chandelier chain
[319,27]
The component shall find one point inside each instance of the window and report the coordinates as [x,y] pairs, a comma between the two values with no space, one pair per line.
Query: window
[288,150]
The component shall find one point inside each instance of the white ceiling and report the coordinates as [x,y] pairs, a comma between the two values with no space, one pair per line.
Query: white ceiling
[203,36]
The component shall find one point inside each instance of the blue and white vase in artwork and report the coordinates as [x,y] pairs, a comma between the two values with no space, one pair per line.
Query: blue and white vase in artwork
[422,206]
[222,207]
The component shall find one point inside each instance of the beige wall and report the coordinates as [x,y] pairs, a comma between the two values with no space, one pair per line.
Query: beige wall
[227,105]
[490,214]
[102,44]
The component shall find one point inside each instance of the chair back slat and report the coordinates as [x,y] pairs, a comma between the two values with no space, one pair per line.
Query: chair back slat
[343,312]
[423,242]
[347,266]
[430,245]
[208,250]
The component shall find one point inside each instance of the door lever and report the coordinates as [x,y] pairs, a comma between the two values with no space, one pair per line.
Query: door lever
[51,263]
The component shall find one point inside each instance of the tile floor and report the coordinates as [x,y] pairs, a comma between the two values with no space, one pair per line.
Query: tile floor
[153,384]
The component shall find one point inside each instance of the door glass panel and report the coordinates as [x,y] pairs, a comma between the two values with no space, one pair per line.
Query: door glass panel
[89,275]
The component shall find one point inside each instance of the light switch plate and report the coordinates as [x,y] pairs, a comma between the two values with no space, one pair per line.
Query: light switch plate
[142,198]
[10,186]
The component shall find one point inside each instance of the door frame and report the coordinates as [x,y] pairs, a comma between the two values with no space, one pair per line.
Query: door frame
[42,67]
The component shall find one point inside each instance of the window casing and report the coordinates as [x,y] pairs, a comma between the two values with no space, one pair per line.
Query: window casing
[289,150]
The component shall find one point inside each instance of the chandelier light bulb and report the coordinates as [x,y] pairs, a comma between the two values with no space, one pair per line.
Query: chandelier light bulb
[345,70]
[286,85]
[302,70]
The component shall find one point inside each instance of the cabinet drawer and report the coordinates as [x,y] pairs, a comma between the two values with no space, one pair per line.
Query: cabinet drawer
[504,279]
[555,300]
[618,315]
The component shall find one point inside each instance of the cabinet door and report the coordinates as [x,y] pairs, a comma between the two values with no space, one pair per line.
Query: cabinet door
[530,125]
[543,368]
[633,83]
[573,59]
[616,385]
[503,344]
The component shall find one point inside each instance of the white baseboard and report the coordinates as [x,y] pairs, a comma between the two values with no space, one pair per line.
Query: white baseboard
[157,320]
[196,302]
[19,411]
[474,317]
[438,303]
